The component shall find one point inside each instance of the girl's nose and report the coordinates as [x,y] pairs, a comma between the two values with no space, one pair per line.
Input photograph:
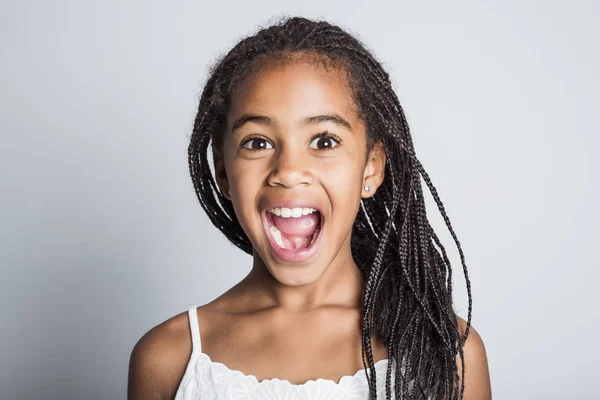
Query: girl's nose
[291,169]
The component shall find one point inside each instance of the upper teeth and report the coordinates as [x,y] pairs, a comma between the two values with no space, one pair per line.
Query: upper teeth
[291,212]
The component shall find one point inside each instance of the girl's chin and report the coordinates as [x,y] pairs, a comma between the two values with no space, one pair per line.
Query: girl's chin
[292,277]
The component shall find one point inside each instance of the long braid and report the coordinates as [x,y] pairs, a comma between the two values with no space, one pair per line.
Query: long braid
[408,290]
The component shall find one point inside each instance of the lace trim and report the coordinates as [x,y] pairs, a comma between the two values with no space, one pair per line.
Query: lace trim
[380,367]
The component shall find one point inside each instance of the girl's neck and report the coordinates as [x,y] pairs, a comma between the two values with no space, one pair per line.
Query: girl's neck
[340,285]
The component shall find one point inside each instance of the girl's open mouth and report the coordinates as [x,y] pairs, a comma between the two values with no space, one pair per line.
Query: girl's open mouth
[293,239]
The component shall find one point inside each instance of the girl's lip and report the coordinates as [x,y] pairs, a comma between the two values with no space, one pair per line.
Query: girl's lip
[292,256]
[292,204]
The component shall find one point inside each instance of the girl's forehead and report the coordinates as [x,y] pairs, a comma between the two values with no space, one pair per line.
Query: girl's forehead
[297,85]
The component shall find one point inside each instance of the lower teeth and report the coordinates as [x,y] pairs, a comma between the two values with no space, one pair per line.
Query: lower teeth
[314,236]
[277,236]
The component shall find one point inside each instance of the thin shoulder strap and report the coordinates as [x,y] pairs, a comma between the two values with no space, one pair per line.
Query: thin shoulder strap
[195,329]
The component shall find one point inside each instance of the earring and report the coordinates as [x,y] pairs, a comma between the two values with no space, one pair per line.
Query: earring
[229,191]
[367,188]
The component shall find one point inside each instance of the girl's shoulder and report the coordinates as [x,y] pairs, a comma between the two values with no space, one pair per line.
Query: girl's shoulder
[159,358]
[475,363]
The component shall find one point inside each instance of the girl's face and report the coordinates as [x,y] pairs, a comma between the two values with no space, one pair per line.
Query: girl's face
[293,139]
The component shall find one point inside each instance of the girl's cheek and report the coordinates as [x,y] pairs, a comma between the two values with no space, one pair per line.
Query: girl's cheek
[341,173]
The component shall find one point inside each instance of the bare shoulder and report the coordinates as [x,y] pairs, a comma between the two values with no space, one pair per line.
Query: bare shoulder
[159,359]
[477,376]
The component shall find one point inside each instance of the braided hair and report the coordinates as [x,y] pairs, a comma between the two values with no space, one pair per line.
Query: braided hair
[408,293]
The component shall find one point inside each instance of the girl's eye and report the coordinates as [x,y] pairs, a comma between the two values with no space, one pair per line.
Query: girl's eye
[326,141]
[322,141]
[257,143]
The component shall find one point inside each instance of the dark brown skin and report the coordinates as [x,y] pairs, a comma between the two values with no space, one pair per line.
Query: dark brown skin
[288,321]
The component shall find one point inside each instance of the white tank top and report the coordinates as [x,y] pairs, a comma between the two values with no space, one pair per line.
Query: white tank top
[208,380]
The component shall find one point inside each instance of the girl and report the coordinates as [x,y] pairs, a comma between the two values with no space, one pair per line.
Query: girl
[316,176]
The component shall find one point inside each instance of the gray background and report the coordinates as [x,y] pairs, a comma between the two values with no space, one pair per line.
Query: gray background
[102,237]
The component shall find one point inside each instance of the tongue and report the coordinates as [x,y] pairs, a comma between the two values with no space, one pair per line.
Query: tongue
[303,226]
[296,233]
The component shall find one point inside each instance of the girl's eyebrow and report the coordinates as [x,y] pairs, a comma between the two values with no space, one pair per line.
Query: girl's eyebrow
[261,119]
[335,118]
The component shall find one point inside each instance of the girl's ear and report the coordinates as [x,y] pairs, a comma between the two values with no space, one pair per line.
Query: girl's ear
[221,173]
[374,170]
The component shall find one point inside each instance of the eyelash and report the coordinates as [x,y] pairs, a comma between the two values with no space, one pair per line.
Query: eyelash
[324,134]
